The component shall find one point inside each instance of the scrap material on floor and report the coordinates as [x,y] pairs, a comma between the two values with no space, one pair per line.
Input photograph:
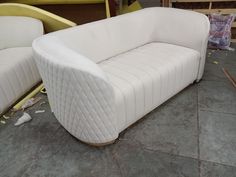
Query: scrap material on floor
[39,111]
[24,118]
[190,135]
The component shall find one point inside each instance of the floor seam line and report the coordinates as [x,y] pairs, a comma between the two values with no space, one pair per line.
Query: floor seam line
[198,137]
[217,112]
[117,163]
[168,153]
[218,163]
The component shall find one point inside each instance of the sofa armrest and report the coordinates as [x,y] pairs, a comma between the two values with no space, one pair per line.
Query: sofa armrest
[185,28]
[80,94]
[19,31]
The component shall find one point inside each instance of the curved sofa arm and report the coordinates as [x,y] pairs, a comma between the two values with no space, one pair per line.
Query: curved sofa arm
[79,92]
[185,28]
[19,31]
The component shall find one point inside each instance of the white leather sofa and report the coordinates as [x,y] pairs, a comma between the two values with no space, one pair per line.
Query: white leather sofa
[18,71]
[103,76]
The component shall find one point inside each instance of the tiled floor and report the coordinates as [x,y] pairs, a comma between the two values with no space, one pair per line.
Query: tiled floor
[191,135]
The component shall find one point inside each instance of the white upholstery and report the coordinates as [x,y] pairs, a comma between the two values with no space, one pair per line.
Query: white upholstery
[18,70]
[19,31]
[103,76]
[147,76]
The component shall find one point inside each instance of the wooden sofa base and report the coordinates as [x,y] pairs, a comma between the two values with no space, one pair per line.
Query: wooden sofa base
[100,144]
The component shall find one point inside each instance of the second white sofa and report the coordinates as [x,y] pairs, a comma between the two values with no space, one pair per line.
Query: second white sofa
[104,76]
[18,70]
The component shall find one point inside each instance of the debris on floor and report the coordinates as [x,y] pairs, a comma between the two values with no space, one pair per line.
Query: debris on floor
[30,102]
[230,77]
[25,118]
[5,117]
[3,122]
[216,62]
[39,111]
[42,103]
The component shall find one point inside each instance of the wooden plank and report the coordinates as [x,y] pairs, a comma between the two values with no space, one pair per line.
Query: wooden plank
[166,3]
[173,1]
[210,11]
[46,2]
[234,25]
[233,40]
[210,5]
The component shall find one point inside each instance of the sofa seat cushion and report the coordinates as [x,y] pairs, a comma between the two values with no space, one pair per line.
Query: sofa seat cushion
[18,73]
[145,77]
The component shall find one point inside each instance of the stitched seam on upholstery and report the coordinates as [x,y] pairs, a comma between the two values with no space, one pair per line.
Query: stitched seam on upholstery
[24,75]
[144,90]
[4,93]
[154,68]
[124,99]
[102,107]
[167,60]
[83,118]
[140,81]
[70,104]
[158,70]
[94,112]
[63,87]
[141,69]
[131,87]
[33,74]
[100,92]
[88,112]
[9,81]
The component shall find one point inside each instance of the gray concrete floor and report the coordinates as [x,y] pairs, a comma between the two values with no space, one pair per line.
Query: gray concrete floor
[191,135]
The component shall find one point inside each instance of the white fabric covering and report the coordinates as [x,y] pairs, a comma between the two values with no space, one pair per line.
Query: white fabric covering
[18,71]
[19,31]
[147,76]
[103,76]
[18,74]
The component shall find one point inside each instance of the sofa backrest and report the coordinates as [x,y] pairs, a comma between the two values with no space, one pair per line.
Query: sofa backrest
[106,38]
[182,27]
[17,31]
